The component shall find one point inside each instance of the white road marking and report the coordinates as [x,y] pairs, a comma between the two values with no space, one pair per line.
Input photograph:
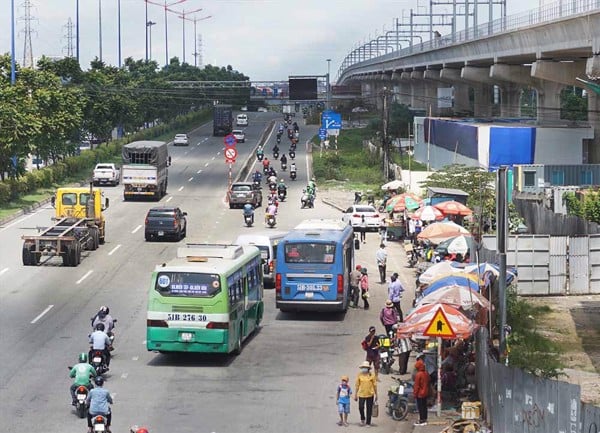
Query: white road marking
[136,229]
[180,188]
[124,375]
[114,249]
[213,158]
[3,271]
[218,153]
[135,358]
[190,179]
[199,171]
[206,165]
[169,199]
[144,342]
[87,274]
[42,314]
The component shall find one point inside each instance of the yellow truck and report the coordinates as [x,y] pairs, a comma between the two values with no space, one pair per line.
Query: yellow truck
[79,226]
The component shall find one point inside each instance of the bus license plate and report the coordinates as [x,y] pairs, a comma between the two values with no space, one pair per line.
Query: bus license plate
[308,295]
[186,336]
[311,288]
[161,233]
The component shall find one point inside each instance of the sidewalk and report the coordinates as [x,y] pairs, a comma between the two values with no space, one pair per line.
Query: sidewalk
[397,262]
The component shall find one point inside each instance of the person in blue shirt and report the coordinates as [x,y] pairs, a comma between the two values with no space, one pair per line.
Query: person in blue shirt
[99,401]
[249,211]
[257,176]
[343,400]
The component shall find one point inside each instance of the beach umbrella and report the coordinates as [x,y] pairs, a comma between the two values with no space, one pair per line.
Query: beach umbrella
[419,319]
[440,231]
[457,279]
[452,207]
[458,296]
[482,268]
[427,213]
[394,184]
[436,270]
[400,202]
[456,245]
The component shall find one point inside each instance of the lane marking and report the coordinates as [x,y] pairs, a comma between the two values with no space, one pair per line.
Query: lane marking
[206,165]
[180,188]
[135,358]
[124,375]
[114,249]
[3,271]
[169,199]
[213,158]
[87,274]
[136,229]
[42,314]
[190,179]
[218,153]
[199,171]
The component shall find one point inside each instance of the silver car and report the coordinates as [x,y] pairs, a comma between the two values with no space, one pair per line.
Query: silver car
[181,140]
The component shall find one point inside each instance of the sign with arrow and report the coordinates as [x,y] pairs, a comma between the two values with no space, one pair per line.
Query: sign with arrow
[331,120]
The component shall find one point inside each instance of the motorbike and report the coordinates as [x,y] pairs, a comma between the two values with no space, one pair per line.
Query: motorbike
[266,170]
[249,220]
[386,354]
[99,424]
[293,175]
[98,362]
[271,221]
[275,154]
[272,187]
[256,185]
[260,156]
[413,259]
[399,396]
[281,194]
[278,139]
[307,200]
[292,154]
[81,405]
[283,166]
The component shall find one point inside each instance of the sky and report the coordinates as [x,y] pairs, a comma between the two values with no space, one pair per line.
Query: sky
[264,39]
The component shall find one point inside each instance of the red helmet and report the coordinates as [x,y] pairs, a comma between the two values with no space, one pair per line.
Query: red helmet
[142,430]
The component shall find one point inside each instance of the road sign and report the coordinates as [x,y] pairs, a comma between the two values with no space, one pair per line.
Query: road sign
[331,120]
[230,154]
[322,133]
[440,326]
[230,140]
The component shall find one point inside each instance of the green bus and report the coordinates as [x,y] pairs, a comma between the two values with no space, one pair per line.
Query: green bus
[208,299]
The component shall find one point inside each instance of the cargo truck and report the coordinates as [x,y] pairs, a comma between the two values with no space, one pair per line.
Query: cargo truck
[145,170]
[79,226]
[222,119]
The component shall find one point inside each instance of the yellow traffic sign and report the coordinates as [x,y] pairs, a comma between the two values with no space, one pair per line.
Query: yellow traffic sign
[439,326]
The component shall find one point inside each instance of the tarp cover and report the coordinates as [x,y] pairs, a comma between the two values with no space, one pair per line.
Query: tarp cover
[453,136]
[511,145]
[146,152]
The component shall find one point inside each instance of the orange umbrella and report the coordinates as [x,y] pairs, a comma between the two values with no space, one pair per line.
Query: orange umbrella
[439,232]
[427,213]
[452,207]
[418,320]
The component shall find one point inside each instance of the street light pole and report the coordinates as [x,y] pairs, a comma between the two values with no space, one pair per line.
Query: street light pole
[166,6]
[119,32]
[146,21]
[149,25]
[100,28]
[13,74]
[77,29]
[195,20]
[328,86]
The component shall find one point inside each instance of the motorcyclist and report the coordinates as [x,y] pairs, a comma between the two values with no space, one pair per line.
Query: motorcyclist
[272,172]
[283,159]
[103,316]
[249,211]
[312,186]
[82,372]
[266,163]
[260,152]
[275,151]
[257,176]
[98,400]
[292,167]
[296,127]
[270,211]
[281,187]
[99,340]
[310,189]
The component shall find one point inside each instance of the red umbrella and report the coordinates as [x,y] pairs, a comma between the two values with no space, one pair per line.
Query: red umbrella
[428,213]
[452,207]
[418,320]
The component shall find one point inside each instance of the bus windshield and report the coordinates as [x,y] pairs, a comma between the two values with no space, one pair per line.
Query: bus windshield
[188,284]
[309,252]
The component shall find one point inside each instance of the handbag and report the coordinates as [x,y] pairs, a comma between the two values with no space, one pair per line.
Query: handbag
[375,412]
[364,344]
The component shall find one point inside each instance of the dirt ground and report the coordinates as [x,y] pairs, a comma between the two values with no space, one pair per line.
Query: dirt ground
[575,323]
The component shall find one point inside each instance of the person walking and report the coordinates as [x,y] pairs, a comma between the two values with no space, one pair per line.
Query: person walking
[388,316]
[363,229]
[364,287]
[421,391]
[366,393]
[355,276]
[372,345]
[381,257]
[395,290]
[343,400]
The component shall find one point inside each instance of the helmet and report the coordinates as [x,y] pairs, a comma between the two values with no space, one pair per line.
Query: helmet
[142,430]
[83,357]
[99,380]
[104,310]
[100,327]
[281,180]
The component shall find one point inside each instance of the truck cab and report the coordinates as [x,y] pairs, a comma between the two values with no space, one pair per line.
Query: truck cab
[79,203]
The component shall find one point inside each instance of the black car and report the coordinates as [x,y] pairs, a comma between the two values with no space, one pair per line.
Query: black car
[165,222]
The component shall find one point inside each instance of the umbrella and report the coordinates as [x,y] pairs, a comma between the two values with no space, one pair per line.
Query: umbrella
[442,268]
[452,207]
[394,184]
[482,268]
[402,201]
[457,279]
[419,319]
[428,213]
[457,245]
[458,296]
[438,232]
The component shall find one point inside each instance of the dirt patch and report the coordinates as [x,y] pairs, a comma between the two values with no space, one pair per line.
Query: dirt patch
[574,323]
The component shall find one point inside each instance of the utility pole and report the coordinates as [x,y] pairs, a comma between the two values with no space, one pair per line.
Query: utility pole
[27,48]
[501,242]
[198,51]
[384,136]
[69,37]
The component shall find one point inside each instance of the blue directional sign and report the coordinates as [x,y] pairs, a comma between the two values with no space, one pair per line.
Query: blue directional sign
[322,133]
[331,120]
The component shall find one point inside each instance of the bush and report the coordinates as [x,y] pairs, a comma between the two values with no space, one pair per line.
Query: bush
[4,193]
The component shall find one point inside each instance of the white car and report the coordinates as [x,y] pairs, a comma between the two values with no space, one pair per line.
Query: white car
[239,135]
[262,110]
[181,139]
[354,216]
[242,120]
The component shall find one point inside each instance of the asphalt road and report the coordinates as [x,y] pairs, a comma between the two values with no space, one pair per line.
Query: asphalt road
[285,378]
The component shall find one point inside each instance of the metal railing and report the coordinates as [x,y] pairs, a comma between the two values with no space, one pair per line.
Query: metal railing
[544,14]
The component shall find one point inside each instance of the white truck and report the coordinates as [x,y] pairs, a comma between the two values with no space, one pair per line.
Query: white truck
[145,169]
[106,173]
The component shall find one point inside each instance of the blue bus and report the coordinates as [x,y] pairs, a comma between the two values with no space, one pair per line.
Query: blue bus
[313,264]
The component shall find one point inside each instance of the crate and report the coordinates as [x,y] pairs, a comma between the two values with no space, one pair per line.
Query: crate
[471,410]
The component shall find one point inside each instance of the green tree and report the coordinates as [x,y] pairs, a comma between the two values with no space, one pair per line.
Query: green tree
[573,105]
[400,118]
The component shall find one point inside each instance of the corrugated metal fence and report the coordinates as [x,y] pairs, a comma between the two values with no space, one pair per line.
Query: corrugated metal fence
[517,402]
[550,265]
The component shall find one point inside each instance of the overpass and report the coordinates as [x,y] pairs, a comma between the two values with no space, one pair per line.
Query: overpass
[545,49]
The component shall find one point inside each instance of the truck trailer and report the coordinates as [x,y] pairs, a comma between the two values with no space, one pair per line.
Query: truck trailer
[222,119]
[145,169]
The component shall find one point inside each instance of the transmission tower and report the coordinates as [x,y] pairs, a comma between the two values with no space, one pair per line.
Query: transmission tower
[27,48]
[198,52]
[70,37]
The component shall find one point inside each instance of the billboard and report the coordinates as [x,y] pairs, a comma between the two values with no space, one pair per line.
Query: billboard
[303,89]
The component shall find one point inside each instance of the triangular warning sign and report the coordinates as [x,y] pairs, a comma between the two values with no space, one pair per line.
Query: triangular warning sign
[439,326]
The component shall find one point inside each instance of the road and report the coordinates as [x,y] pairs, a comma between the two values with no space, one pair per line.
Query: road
[285,378]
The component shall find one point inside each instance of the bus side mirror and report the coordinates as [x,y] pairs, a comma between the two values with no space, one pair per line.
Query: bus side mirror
[53,201]
[356,244]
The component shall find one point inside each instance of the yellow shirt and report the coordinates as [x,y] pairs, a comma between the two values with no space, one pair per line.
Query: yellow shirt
[366,385]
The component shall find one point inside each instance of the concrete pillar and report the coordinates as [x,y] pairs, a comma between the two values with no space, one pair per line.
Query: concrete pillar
[483,100]
[418,99]
[594,120]
[510,100]
[592,66]
[431,96]
[462,105]
[548,101]
[404,92]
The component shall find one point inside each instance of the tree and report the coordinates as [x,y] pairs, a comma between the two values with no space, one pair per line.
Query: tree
[573,104]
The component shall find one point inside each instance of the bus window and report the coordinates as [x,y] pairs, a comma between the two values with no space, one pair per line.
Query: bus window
[309,253]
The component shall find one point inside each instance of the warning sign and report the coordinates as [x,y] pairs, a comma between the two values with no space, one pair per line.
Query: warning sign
[230,154]
[439,326]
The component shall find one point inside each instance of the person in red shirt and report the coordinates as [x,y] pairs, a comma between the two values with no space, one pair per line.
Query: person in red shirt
[421,391]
